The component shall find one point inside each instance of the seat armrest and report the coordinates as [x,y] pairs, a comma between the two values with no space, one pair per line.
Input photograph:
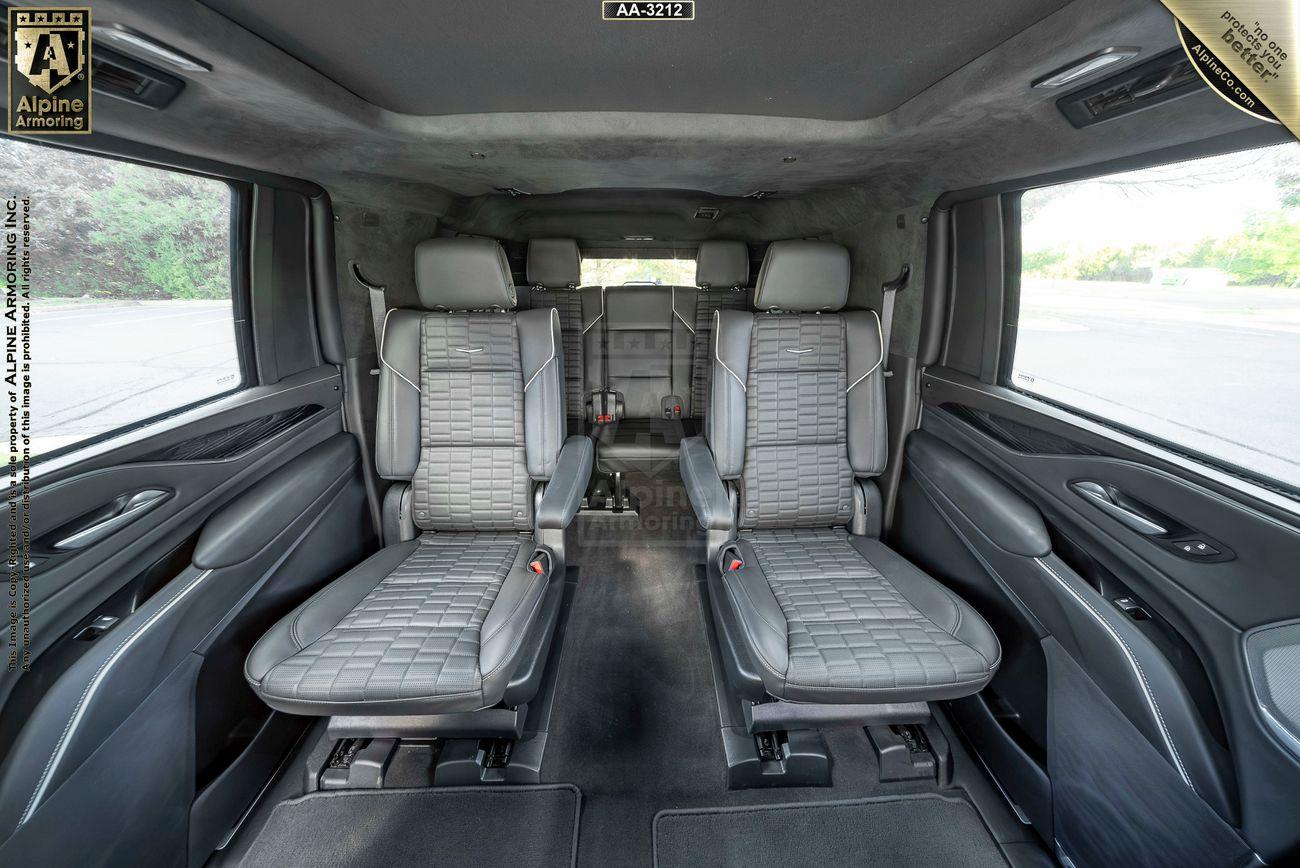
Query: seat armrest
[704,486]
[563,495]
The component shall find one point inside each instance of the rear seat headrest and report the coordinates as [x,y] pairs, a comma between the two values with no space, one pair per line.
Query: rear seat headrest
[803,276]
[554,263]
[463,274]
[722,264]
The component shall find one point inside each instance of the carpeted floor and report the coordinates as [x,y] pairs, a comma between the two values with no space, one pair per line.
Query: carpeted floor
[524,827]
[635,724]
[635,728]
[892,832]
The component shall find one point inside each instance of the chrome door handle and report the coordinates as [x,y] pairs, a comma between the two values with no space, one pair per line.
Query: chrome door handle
[1108,501]
[126,510]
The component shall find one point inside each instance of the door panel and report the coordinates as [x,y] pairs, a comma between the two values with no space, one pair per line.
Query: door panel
[261,502]
[1185,616]
[67,586]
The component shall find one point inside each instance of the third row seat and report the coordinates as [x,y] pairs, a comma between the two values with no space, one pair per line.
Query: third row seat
[636,356]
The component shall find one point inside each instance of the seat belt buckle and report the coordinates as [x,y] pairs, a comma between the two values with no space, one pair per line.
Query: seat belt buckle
[606,407]
[671,407]
[729,559]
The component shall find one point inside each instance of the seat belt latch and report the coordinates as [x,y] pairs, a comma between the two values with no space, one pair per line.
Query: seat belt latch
[606,407]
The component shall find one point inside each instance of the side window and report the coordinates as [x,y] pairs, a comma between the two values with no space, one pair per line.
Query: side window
[131,312]
[1167,301]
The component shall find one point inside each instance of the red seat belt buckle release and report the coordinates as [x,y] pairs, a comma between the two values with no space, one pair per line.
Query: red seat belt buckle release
[536,566]
[736,563]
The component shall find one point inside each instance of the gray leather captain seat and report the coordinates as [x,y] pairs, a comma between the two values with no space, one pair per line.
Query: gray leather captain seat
[811,607]
[554,273]
[456,614]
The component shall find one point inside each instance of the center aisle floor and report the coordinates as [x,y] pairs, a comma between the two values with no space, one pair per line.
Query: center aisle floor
[635,723]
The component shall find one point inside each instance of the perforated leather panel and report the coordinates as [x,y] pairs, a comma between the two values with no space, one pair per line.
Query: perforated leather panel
[417,634]
[797,471]
[847,624]
[473,470]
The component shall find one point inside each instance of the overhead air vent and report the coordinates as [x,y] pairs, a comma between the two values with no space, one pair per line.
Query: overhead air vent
[115,74]
[705,212]
[760,194]
[1159,80]
[513,192]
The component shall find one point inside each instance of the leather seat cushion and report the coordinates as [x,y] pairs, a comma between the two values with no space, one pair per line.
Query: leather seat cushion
[834,618]
[429,626]
[640,444]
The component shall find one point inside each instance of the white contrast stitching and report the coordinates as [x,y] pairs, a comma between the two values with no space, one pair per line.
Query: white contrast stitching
[91,687]
[673,304]
[717,322]
[1137,667]
[555,320]
[880,332]
[380,349]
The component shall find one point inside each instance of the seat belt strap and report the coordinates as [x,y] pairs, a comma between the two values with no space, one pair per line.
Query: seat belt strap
[378,310]
[378,305]
[888,294]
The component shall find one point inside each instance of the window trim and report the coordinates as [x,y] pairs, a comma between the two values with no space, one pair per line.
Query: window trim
[1011,229]
[240,300]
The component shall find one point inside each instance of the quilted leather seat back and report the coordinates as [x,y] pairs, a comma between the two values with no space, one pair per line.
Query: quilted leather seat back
[472,472]
[796,461]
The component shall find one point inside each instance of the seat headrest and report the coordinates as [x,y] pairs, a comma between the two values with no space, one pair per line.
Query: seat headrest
[803,276]
[463,274]
[554,263]
[722,264]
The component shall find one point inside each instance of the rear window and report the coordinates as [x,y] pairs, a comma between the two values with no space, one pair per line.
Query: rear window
[667,271]
[1167,301]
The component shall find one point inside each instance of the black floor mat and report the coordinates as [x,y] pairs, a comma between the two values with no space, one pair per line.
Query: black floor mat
[454,827]
[636,722]
[900,832]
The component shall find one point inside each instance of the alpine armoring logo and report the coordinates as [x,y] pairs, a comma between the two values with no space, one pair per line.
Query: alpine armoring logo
[49,71]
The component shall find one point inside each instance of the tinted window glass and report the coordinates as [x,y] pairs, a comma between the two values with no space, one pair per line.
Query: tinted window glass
[131,312]
[1167,301]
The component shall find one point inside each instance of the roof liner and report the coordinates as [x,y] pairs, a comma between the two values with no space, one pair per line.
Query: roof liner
[835,60]
[261,108]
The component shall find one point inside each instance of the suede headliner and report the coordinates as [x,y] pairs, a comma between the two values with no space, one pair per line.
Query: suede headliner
[262,108]
[833,60]
[601,175]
